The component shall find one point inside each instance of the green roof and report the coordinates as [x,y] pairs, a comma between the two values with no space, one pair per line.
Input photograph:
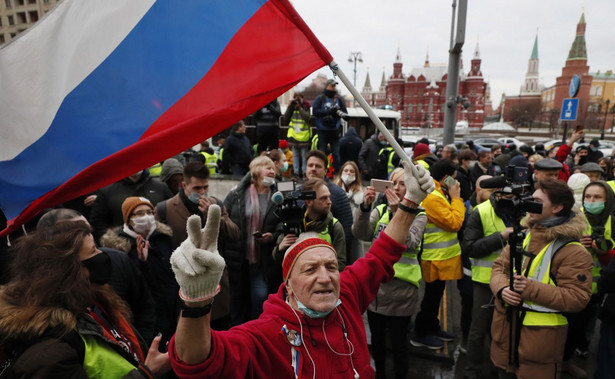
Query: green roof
[535,50]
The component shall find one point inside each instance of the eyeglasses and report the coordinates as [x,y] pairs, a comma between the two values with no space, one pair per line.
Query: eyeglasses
[143,213]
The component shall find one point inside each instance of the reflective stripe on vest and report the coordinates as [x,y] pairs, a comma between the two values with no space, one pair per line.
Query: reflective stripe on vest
[492,223]
[438,244]
[597,267]
[540,270]
[101,361]
[298,128]
[407,268]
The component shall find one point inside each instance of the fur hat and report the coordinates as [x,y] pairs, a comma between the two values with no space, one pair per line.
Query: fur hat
[131,203]
[305,242]
[420,149]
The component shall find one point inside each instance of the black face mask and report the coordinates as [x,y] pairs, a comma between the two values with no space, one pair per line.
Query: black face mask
[100,268]
[329,93]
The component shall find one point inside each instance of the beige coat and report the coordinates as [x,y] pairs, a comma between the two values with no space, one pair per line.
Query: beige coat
[541,349]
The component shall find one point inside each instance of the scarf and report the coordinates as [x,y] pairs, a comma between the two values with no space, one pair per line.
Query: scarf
[253,214]
[556,220]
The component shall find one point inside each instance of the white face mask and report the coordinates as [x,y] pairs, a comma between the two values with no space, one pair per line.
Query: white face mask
[348,179]
[268,181]
[144,224]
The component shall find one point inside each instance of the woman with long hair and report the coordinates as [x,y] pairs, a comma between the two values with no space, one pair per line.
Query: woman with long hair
[349,179]
[59,319]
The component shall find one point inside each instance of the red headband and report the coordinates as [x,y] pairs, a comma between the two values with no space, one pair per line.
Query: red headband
[293,253]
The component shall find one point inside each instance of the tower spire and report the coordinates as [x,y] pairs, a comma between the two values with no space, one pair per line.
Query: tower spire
[426,59]
[578,50]
[398,56]
[476,51]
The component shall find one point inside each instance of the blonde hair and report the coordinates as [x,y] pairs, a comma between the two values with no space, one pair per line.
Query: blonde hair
[257,164]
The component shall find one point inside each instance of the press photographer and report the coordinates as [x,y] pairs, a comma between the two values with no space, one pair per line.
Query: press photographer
[329,109]
[552,277]
[314,216]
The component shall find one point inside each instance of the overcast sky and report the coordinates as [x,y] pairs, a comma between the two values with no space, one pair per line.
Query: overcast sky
[505,31]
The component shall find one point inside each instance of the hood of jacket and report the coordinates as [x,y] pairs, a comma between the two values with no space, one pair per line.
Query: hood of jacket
[572,229]
[115,239]
[19,322]
[170,167]
[352,132]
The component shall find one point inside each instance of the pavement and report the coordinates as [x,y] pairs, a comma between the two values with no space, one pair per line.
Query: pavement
[449,363]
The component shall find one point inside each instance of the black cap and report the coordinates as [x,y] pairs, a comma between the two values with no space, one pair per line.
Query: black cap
[595,142]
[548,164]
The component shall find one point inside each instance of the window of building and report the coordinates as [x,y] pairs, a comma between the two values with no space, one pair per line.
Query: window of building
[8,3]
[31,1]
[20,2]
[409,108]
[596,91]
[45,1]
[11,20]
[33,16]
[2,38]
[0,21]
[21,18]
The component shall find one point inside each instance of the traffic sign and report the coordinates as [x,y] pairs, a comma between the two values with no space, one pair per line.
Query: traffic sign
[569,109]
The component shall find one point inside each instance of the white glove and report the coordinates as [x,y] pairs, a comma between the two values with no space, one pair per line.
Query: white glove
[418,182]
[196,262]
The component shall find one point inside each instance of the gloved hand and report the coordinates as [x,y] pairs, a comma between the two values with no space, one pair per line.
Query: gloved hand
[196,262]
[418,182]
[333,110]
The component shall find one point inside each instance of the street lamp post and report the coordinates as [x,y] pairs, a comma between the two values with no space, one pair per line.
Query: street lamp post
[606,113]
[355,56]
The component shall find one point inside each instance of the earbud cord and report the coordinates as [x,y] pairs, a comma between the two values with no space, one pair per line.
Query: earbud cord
[302,339]
[348,342]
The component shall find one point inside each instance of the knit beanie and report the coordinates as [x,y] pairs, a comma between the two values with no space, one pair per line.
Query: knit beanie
[304,243]
[577,183]
[420,149]
[131,203]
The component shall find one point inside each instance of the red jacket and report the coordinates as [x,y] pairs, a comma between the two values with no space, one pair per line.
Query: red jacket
[259,348]
[562,154]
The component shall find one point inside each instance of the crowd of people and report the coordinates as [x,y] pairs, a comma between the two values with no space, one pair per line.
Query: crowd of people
[104,283]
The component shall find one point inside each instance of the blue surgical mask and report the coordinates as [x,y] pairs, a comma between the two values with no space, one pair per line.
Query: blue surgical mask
[312,313]
[284,167]
[194,197]
[594,208]
[383,143]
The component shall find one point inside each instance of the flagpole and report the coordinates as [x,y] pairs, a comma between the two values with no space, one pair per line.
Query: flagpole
[370,112]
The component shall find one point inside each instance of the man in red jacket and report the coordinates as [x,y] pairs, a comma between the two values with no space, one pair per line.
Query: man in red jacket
[312,327]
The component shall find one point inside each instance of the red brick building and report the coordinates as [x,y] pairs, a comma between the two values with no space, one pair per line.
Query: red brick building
[421,94]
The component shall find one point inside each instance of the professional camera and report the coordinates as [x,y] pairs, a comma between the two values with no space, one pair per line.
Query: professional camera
[191,156]
[290,212]
[337,112]
[294,103]
[515,198]
[601,241]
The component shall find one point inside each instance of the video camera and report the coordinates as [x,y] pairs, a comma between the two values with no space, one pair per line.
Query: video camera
[516,198]
[290,212]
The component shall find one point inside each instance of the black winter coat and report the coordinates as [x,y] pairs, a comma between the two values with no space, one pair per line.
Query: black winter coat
[350,146]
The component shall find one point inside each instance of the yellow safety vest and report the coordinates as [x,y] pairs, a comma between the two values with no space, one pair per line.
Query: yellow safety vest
[540,271]
[423,163]
[101,361]
[211,162]
[155,170]
[298,128]
[438,244]
[597,266]
[390,166]
[612,184]
[314,142]
[492,223]
[407,268]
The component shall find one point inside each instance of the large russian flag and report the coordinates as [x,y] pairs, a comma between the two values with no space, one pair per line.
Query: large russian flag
[99,90]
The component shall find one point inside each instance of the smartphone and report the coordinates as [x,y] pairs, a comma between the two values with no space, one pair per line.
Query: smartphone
[257,234]
[449,181]
[381,185]
[579,128]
